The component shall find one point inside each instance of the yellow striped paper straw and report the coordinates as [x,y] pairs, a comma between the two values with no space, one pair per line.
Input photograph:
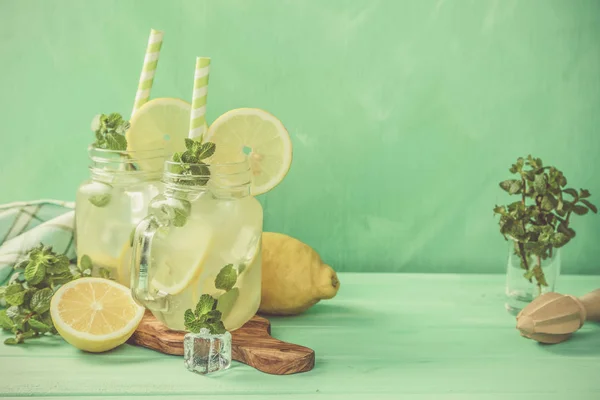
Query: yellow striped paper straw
[147,76]
[198,116]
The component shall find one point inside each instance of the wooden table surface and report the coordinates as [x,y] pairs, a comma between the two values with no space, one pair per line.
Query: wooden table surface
[385,336]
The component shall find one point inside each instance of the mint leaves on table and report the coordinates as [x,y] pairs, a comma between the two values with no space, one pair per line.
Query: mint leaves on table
[30,289]
[206,314]
[110,131]
[539,220]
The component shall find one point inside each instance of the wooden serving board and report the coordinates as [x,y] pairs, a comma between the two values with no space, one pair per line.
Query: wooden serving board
[252,344]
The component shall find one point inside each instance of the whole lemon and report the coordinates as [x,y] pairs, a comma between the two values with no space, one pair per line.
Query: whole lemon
[293,276]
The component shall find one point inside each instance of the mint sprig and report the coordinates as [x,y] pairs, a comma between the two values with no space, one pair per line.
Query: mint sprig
[206,315]
[191,162]
[539,219]
[30,290]
[110,131]
[195,173]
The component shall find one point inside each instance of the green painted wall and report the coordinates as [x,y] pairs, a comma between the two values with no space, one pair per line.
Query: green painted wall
[404,115]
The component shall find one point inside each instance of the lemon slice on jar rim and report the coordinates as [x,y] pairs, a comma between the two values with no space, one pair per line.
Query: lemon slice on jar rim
[260,136]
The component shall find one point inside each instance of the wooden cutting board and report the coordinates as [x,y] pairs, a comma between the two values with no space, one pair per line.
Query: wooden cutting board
[252,344]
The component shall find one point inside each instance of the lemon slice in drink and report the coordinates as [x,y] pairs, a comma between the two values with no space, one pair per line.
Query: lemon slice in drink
[258,134]
[95,314]
[179,258]
[161,123]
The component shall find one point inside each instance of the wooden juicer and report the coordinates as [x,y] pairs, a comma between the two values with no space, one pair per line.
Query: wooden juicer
[553,317]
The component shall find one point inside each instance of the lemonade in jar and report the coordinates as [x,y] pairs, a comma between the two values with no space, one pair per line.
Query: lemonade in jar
[110,204]
[203,234]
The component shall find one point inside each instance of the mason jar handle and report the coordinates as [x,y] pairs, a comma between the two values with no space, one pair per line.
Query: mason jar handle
[141,265]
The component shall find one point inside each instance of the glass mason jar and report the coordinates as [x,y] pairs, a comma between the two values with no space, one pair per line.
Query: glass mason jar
[519,290]
[111,203]
[203,224]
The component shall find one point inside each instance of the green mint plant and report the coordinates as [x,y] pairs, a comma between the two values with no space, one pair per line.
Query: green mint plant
[206,314]
[110,131]
[540,220]
[30,289]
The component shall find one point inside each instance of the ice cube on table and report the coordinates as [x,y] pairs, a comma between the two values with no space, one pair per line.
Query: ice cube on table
[204,353]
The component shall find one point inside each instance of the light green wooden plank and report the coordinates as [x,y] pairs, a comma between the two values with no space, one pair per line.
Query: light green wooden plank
[394,375]
[348,396]
[384,334]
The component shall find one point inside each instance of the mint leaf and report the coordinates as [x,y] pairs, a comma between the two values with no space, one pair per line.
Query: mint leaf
[38,325]
[188,317]
[180,217]
[189,143]
[35,272]
[85,263]
[63,277]
[226,278]
[572,192]
[590,206]
[100,200]
[109,131]
[584,194]
[217,328]
[188,157]
[46,318]
[59,265]
[213,316]
[5,322]
[205,150]
[11,341]
[548,203]
[512,186]
[559,239]
[13,312]
[116,141]
[205,304]
[14,294]
[104,273]
[40,301]
[196,325]
[539,184]
[580,210]
[25,335]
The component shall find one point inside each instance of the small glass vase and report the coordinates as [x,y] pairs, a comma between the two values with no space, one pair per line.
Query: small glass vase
[519,290]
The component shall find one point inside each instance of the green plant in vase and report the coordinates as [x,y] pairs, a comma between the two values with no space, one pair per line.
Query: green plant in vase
[538,223]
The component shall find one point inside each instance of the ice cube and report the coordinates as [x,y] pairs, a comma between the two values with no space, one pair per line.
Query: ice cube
[204,353]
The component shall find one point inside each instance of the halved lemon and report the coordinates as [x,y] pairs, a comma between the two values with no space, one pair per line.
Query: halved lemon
[179,258]
[95,314]
[259,135]
[161,123]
